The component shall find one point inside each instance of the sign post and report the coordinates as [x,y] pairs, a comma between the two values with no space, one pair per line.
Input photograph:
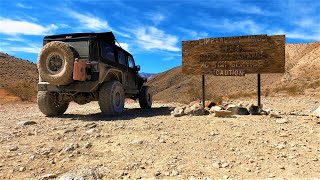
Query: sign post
[259,91]
[234,56]
[203,92]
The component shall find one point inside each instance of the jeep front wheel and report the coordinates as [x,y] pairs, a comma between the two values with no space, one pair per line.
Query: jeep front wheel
[49,105]
[145,98]
[111,98]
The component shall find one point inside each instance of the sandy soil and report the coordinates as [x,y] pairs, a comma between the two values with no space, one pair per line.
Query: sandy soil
[154,145]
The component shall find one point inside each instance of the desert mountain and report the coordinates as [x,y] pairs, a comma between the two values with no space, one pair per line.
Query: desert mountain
[18,77]
[302,74]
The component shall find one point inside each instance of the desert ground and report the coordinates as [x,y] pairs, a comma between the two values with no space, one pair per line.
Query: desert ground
[152,144]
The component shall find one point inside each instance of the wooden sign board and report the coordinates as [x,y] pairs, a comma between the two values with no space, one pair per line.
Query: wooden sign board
[234,56]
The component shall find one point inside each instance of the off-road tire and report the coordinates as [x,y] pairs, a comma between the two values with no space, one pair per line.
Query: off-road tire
[49,105]
[65,54]
[145,98]
[111,98]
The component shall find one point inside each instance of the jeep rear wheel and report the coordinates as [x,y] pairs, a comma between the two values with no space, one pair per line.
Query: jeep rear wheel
[49,105]
[111,98]
[55,63]
[145,98]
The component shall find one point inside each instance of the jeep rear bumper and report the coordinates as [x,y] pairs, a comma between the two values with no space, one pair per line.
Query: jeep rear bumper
[87,86]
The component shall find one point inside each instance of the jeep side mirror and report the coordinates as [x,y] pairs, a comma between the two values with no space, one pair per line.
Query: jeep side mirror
[137,68]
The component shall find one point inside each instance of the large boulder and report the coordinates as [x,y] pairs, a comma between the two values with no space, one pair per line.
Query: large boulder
[254,110]
[196,110]
[209,104]
[222,113]
[237,110]
[178,111]
[215,108]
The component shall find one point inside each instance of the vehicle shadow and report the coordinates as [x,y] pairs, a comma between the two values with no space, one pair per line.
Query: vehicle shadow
[127,114]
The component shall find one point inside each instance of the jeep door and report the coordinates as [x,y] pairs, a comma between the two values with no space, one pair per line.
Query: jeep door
[132,73]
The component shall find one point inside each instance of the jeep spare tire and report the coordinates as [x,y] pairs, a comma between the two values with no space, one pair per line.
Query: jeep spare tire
[55,63]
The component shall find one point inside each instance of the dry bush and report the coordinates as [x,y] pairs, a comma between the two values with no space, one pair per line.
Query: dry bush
[314,85]
[290,90]
[24,91]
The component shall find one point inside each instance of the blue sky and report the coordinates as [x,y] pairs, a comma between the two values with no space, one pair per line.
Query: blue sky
[153,30]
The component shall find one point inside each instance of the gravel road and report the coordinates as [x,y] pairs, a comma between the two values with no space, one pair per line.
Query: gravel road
[154,145]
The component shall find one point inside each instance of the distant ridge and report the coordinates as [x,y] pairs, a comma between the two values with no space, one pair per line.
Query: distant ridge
[147,75]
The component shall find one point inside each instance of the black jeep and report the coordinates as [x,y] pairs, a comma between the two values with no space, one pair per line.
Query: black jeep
[84,67]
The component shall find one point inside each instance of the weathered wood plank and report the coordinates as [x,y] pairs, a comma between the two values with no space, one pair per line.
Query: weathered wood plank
[227,55]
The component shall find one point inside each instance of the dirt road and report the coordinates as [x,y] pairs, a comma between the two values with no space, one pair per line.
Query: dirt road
[155,145]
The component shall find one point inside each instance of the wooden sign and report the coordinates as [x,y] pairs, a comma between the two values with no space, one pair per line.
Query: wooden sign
[234,56]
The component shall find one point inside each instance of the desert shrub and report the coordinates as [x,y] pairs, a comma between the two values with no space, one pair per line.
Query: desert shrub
[290,90]
[24,91]
[242,95]
[314,85]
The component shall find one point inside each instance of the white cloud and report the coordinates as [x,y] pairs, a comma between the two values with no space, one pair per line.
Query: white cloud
[169,58]
[151,38]
[245,26]
[193,34]
[249,9]
[20,5]
[156,18]
[91,22]
[124,46]
[10,48]
[14,27]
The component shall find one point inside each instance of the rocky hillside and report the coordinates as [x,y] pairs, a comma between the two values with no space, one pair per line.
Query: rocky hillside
[302,74]
[18,77]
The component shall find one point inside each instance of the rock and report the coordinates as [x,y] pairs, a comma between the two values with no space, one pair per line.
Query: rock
[216,164]
[72,129]
[194,102]
[209,104]
[224,165]
[237,110]
[274,115]
[195,109]
[81,173]
[213,133]
[71,147]
[178,111]
[22,168]
[48,176]
[263,112]
[26,123]
[316,112]
[254,110]
[136,142]
[13,148]
[188,110]
[174,172]
[91,131]
[87,145]
[227,106]
[45,151]
[32,157]
[157,173]
[215,108]
[222,113]
[90,125]
[162,141]
[282,121]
